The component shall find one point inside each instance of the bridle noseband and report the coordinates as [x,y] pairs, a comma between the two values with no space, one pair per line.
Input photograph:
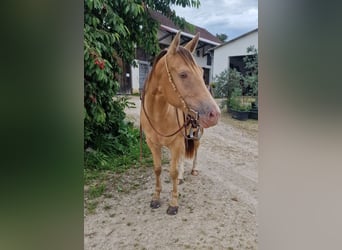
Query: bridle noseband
[191,119]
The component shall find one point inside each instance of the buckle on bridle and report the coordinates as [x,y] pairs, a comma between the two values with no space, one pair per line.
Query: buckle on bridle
[193,122]
[195,114]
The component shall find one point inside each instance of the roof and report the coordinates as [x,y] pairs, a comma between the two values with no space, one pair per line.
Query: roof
[236,38]
[168,25]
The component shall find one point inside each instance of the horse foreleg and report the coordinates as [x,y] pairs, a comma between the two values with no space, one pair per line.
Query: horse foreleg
[177,151]
[156,155]
[181,171]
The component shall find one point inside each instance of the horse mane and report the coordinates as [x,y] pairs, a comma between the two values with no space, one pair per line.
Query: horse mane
[155,61]
[187,56]
[183,52]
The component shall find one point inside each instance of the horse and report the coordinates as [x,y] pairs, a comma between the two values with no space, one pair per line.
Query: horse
[175,105]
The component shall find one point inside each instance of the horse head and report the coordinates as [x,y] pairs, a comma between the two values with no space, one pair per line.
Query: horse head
[183,83]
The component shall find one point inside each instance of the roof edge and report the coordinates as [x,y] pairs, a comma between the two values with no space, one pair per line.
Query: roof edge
[188,35]
[234,39]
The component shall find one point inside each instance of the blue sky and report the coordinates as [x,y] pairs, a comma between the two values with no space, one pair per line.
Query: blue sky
[231,17]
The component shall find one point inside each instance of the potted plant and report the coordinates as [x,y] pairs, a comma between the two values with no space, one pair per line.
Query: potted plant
[253,112]
[238,106]
[251,78]
[225,82]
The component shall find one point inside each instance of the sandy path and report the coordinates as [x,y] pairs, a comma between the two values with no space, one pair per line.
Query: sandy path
[217,209]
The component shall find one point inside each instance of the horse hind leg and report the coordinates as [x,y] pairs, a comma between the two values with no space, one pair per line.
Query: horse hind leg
[156,155]
[194,170]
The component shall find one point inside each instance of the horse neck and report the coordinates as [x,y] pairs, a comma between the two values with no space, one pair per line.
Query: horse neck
[155,101]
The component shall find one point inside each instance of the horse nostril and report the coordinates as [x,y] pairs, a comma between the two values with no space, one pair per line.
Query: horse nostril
[213,115]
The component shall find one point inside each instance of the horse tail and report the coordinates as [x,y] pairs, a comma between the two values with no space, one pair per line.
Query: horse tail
[189,148]
[191,145]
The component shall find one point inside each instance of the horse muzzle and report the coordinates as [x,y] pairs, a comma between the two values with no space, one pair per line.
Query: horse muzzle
[210,117]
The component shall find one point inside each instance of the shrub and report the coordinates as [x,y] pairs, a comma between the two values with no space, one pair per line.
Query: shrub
[237,101]
[226,81]
[251,76]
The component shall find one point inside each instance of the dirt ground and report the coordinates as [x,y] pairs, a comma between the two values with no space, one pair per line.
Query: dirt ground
[217,209]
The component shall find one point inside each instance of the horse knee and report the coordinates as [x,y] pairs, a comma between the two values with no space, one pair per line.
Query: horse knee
[157,170]
[174,173]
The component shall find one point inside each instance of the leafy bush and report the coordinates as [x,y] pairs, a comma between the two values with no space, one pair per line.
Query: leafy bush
[229,79]
[251,64]
[226,81]
[237,101]
[124,155]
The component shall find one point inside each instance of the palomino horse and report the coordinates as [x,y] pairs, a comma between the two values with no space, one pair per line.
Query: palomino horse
[175,105]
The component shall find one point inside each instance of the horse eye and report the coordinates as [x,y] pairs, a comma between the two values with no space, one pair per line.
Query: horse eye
[183,75]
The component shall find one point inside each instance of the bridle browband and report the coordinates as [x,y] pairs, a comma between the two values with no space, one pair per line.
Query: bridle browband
[188,118]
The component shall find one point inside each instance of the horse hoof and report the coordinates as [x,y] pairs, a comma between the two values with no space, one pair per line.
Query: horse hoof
[172,210]
[155,204]
[180,181]
[195,172]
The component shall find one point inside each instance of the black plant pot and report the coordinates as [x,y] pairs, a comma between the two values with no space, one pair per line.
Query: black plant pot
[240,115]
[253,114]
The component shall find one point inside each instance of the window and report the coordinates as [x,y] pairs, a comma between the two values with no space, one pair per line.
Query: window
[208,59]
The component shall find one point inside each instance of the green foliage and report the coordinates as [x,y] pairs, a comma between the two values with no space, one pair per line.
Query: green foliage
[96,191]
[251,64]
[229,79]
[223,37]
[112,32]
[125,153]
[237,102]
[226,81]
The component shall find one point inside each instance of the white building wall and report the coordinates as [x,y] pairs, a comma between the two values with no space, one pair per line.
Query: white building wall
[201,61]
[235,48]
[135,78]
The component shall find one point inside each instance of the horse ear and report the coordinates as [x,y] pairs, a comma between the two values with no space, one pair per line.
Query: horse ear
[191,46]
[174,44]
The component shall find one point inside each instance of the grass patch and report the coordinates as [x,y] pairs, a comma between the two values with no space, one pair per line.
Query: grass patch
[91,206]
[96,161]
[96,191]
[102,171]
